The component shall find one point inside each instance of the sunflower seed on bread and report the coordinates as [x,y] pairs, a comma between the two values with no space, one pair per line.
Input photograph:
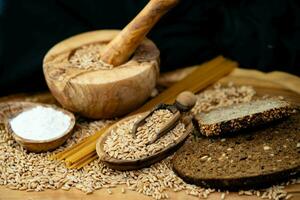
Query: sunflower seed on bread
[248,160]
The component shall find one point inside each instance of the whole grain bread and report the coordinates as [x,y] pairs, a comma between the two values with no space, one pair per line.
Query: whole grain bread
[242,116]
[248,160]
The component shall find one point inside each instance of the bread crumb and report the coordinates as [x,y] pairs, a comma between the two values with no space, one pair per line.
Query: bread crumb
[109,191]
[222,196]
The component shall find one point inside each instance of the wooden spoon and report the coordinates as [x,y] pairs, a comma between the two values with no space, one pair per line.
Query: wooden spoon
[107,93]
[10,110]
[184,102]
[142,162]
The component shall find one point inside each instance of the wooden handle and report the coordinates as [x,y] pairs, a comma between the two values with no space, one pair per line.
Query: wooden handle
[124,44]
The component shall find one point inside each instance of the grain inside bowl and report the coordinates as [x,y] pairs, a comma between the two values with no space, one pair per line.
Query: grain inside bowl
[122,144]
[88,57]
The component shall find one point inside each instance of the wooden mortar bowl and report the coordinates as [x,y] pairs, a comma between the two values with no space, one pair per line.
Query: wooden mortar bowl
[15,108]
[101,93]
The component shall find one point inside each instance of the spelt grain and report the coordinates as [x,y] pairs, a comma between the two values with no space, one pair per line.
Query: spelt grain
[88,57]
[121,144]
[24,170]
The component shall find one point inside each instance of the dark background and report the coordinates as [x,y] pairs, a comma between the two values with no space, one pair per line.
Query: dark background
[261,34]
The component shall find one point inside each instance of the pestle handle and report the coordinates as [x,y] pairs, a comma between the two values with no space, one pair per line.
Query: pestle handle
[124,44]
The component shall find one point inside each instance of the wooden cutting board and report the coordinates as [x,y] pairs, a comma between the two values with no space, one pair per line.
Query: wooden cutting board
[273,84]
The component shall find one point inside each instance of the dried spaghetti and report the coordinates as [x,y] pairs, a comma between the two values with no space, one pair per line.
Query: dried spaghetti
[204,75]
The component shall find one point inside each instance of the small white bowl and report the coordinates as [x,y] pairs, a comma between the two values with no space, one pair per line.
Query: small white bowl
[15,108]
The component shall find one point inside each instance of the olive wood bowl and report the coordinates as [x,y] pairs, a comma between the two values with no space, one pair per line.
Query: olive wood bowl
[11,110]
[133,164]
[101,93]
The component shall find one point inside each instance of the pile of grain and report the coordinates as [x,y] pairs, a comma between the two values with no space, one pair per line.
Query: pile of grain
[36,172]
[222,96]
[88,57]
[122,144]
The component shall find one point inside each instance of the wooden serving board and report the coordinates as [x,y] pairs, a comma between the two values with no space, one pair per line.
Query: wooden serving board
[273,84]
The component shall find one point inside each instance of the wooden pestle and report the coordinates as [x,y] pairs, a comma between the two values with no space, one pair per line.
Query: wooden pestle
[124,44]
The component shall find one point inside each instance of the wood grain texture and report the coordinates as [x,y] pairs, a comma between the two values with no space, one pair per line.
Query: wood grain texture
[73,194]
[124,44]
[263,83]
[101,93]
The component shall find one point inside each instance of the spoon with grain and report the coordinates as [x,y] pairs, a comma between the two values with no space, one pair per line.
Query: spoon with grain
[150,153]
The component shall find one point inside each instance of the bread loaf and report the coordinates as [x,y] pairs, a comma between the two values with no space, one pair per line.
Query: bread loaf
[247,160]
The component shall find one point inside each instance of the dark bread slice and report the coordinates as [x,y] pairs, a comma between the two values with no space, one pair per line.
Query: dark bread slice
[242,116]
[248,160]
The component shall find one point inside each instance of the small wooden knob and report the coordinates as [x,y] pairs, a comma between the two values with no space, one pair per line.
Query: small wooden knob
[185,101]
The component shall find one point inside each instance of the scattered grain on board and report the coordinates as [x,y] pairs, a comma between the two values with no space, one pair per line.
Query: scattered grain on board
[266,148]
[21,170]
[109,191]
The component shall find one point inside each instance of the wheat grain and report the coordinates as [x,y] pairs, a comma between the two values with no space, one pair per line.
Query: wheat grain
[88,57]
[37,172]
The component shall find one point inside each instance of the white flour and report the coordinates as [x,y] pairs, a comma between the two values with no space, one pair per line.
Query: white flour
[40,123]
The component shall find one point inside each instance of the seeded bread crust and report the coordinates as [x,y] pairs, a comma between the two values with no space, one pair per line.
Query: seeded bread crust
[248,121]
[249,160]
